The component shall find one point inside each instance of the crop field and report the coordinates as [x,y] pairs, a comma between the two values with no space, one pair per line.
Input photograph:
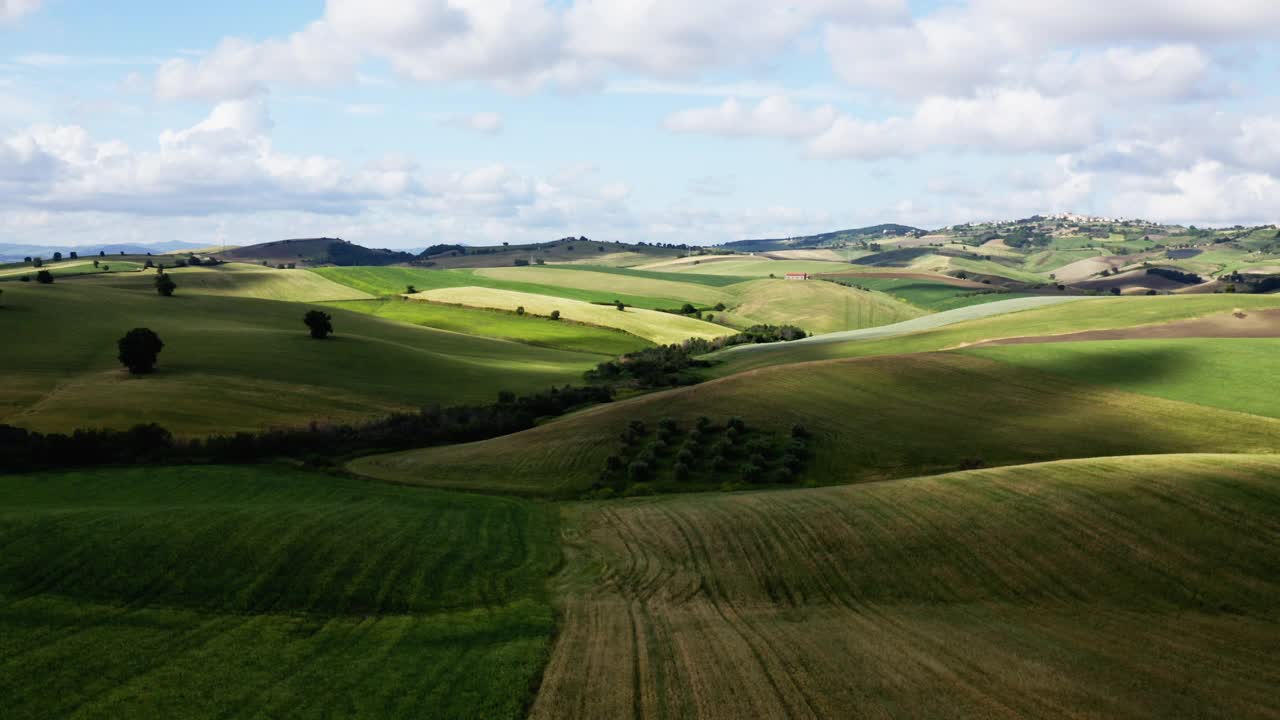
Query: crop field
[1133,587]
[69,268]
[501,324]
[385,281]
[216,591]
[635,273]
[930,295]
[1026,319]
[240,363]
[871,419]
[817,306]
[1218,372]
[675,292]
[754,267]
[658,327]
[241,280]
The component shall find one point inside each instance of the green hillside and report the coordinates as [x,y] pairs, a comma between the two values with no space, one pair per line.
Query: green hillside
[238,363]
[218,591]
[1137,587]
[871,419]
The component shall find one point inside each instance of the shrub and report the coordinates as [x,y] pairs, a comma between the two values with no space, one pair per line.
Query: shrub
[688,309]
[165,285]
[138,350]
[680,471]
[520,310]
[409,289]
[44,277]
[685,456]
[638,470]
[703,423]
[520,262]
[25,278]
[618,304]
[738,424]
[720,307]
[319,323]
[555,314]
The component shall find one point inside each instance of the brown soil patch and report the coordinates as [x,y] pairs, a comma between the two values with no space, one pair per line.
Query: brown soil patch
[1253,324]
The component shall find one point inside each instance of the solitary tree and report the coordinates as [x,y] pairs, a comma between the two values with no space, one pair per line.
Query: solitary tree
[520,310]
[57,257]
[319,322]
[409,289]
[138,350]
[555,314]
[44,277]
[618,304]
[38,262]
[74,255]
[165,284]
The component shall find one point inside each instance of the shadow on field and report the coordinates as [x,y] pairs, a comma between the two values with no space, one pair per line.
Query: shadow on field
[1122,368]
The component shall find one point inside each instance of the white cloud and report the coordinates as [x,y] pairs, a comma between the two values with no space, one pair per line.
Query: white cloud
[1207,192]
[489,123]
[775,116]
[1011,121]
[11,10]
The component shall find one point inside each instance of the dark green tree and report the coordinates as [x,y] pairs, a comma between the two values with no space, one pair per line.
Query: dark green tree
[138,350]
[165,284]
[320,324]
[44,277]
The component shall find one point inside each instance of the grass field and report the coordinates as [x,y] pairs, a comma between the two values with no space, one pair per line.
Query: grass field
[384,281]
[240,280]
[502,324]
[1134,587]
[239,363]
[1055,319]
[931,296]
[1218,372]
[658,327]
[816,306]
[752,267]
[675,292]
[871,419]
[69,268]
[221,591]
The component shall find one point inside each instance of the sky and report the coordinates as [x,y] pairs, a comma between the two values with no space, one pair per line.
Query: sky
[405,123]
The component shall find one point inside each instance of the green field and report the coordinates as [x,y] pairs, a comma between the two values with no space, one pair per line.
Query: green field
[652,325]
[239,363]
[1218,372]
[871,418]
[223,591]
[1139,587]
[931,296]
[383,281]
[1057,319]
[69,268]
[241,280]
[530,329]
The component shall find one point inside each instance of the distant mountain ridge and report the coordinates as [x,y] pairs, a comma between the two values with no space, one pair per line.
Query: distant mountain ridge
[821,240]
[12,252]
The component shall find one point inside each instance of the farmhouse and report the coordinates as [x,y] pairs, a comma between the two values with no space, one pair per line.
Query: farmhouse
[797,276]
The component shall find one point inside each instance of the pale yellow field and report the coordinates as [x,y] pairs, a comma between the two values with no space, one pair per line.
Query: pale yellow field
[817,306]
[652,325]
[679,292]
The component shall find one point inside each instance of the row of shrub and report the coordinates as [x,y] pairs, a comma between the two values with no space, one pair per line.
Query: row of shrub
[669,365]
[22,449]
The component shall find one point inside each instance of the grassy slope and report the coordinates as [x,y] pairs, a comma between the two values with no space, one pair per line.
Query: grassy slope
[674,291]
[1224,373]
[816,306]
[1134,587]
[501,324]
[213,592]
[1089,314]
[240,280]
[652,325]
[756,267]
[932,296]
[383,281]
[70,268]
[238,363]
[872,418]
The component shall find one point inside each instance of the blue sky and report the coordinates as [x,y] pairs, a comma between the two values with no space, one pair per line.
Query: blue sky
[410,122]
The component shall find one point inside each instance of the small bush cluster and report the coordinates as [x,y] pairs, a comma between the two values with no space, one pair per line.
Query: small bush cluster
[669,457]
[668,365]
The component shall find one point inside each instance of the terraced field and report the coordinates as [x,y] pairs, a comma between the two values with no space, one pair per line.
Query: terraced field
[566,335]
[658,327]
[208,592]
[1132,587]
[241,280]
[234,363]
[871,419]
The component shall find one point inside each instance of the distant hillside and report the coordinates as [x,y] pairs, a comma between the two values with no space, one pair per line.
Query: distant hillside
[564,250]
[823,239]
[14,252]
[316,251]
